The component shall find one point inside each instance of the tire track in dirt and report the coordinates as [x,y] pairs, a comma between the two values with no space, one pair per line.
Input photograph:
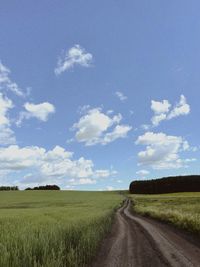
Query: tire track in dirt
[136,241]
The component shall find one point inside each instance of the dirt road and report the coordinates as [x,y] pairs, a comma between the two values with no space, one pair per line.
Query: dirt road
[141,242]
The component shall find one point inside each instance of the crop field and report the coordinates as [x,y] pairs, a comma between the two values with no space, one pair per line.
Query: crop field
[53,228]
[180,209]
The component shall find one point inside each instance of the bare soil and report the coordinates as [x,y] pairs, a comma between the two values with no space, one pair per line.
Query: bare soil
[136,241]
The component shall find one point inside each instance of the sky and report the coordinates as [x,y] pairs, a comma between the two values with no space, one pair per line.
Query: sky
[96,94]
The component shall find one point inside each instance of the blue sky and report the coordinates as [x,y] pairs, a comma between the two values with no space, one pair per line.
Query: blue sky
[94,94]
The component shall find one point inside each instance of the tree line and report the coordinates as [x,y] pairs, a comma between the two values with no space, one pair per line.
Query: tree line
[172,184]
[15,188]
[44,187]
[9,188]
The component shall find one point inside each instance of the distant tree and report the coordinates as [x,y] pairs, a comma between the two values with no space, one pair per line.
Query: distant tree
[9,188]
[44,187]
[189,183]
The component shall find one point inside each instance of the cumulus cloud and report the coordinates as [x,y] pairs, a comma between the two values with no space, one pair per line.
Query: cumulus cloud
[5,105]
[6,83]
[76,55]
[40,111]
[83,109]
[104,173]
[82,181]
[56,165]
[160,106]
[92,128]
[156,119]
[121,96]
[163,111]
[120,131]
[182,108]
[6,134]
[142,173]
[162,151]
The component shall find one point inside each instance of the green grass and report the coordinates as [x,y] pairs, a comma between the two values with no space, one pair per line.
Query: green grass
[53,228]
[180,209]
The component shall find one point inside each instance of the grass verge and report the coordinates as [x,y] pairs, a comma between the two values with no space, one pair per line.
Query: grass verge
[180,209]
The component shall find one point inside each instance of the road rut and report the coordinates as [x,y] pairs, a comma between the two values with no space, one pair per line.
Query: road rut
[136,241]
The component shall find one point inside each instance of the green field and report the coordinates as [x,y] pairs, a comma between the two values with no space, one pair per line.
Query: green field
[180,209]
[53,228]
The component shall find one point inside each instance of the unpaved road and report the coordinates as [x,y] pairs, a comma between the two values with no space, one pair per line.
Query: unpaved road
[136,241]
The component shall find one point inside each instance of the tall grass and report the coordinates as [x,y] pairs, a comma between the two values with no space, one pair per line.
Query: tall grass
[180,209]
[53,229]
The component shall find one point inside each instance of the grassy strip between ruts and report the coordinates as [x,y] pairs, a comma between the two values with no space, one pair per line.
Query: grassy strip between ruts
[48,229]
[180,209]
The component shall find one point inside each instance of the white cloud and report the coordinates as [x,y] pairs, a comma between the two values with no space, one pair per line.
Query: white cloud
[53,166]
[142,173]
[96,175]
[16,158]
[182,108]
[162,110]
[120,131]
[5,105]
[190,160]
[83,109]
[6,83]
[76,55]
[104,173]
[121,96]
[158,118]
[162,151]
[6,134]
[92,128]
[39,111]
[160,106]
[82,181]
